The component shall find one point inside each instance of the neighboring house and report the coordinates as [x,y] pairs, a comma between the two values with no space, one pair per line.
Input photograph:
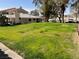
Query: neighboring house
[19,15]
[71,17]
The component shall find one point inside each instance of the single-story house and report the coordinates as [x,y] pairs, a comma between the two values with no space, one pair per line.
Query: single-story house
[19,15]
[23,18]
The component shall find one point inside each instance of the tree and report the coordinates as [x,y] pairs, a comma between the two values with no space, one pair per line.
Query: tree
[34,12]
[62,7]
[75,5]
[46,6]
[3,20]
[51,7]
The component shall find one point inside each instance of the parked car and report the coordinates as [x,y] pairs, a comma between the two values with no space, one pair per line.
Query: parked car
[77,21]
[71,21]
[52,20]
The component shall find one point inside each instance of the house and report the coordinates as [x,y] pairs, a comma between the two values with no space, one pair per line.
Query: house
[71,18]
[19,15]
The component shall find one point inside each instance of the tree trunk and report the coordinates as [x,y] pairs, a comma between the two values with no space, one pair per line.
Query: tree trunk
[60,19]
[62,12]
[76,17]
[46,19]
[63,17]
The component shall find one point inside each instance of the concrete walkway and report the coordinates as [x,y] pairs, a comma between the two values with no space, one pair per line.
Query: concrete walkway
[10,53]
[76,42]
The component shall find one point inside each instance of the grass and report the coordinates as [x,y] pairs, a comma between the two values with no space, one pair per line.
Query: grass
[40,40]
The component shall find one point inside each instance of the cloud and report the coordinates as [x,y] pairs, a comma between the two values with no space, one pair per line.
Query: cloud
[28,9]
[3,8]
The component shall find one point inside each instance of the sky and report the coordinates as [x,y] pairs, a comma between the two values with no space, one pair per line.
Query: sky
[26,4]
[67,11]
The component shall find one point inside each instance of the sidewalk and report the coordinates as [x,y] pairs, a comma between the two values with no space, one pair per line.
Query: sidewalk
[10,53]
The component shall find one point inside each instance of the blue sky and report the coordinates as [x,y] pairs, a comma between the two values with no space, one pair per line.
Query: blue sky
[26,4]
[67,10]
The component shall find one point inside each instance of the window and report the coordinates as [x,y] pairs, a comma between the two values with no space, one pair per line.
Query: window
[29,19]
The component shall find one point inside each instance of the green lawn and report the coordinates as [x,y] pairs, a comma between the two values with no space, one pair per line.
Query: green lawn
[40,40]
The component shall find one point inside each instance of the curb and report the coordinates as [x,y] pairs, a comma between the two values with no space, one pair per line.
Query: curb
[10,52]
